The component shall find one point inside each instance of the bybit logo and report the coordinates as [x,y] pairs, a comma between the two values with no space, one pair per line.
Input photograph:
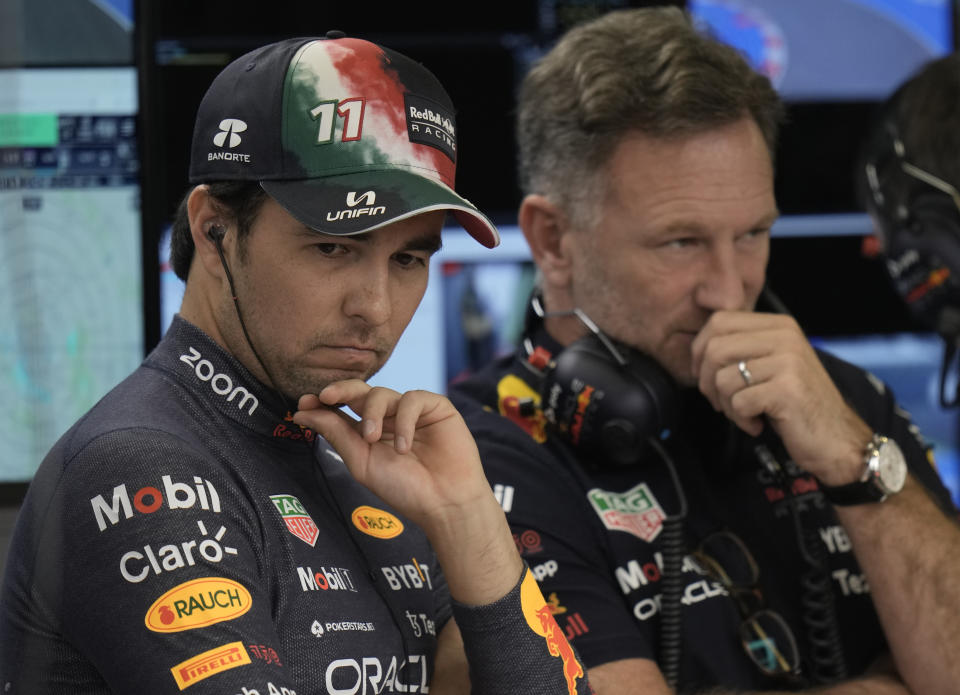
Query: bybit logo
[229,127]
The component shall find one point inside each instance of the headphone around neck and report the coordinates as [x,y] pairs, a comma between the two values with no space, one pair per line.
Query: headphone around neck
[603,398]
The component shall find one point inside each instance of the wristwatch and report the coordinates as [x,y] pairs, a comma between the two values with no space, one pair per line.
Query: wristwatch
[884,475]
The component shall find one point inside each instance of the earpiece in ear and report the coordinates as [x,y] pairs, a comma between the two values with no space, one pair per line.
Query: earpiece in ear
[216,233]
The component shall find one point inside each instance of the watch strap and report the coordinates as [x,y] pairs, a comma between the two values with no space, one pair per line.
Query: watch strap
[865,490]
[858,492]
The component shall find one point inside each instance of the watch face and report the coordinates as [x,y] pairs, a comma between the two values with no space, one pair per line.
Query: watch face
[891,468]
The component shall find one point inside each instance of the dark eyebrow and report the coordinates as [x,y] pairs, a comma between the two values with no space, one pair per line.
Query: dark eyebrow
[769,219]
[430,242]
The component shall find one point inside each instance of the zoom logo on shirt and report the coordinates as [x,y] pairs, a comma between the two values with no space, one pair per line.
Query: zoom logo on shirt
[221,384]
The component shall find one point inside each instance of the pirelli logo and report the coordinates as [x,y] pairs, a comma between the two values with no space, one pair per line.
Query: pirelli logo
[209,663]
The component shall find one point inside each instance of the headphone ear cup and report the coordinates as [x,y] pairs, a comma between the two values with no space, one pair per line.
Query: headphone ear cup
[604,410]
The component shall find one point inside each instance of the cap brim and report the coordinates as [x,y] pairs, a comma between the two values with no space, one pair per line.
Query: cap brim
[362,202]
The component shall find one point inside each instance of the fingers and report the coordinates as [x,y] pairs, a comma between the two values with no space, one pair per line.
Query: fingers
[371,404]
[741,391]
[412,408]
[338,428]
[308,402]
[739,359]
[730,336]
[385,415]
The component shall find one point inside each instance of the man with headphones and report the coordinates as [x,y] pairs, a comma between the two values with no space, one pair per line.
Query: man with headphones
[216,522]
[908,178]
[709,504]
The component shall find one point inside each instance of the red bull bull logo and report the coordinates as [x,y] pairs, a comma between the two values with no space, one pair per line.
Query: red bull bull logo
[583,400]
[540,618]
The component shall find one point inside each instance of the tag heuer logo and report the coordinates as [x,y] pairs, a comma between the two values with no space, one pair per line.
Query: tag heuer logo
[298,522]
[229,127]
[635,511]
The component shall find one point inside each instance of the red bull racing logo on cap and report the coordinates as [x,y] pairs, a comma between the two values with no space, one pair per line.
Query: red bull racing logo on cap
[635,511]
[298,522]
[428,123]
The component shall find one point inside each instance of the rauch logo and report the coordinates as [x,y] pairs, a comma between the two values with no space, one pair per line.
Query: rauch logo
[149,499]
[376,522]
[198,603]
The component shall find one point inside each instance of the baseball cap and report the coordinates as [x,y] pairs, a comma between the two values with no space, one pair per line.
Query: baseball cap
[346,135]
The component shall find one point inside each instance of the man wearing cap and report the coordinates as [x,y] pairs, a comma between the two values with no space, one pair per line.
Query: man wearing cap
[216,522]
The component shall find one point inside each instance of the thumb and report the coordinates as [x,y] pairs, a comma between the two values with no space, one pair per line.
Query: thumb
[338,428]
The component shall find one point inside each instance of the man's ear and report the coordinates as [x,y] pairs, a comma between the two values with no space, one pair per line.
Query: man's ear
[204,216]
[544,224]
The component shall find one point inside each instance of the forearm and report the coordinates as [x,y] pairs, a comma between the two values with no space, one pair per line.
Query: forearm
[907,548]
[475,547]
[514,645]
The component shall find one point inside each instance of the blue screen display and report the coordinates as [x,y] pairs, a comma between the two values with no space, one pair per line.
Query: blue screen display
[829,50]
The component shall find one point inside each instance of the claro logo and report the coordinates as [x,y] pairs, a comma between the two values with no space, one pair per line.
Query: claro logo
[198,603]
[149,499]
[221,384]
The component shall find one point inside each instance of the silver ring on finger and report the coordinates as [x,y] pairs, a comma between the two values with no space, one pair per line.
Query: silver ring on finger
[745,372]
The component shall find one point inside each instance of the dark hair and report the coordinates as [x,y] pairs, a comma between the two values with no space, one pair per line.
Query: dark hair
[644,70]
[919,124]
[926,111]
[238,201]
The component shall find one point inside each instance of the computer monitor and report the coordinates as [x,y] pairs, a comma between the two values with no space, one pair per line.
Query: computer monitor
[71,308]
[831,50]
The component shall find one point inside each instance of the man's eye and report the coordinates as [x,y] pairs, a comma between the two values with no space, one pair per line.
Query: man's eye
[757,233]
[327,249]
[408,259]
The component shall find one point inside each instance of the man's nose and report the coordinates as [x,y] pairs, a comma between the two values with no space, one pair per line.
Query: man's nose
[368,297]
[722,285]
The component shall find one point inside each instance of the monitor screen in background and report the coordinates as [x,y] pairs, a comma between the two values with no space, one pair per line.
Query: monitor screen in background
[71,307]
[832,50]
